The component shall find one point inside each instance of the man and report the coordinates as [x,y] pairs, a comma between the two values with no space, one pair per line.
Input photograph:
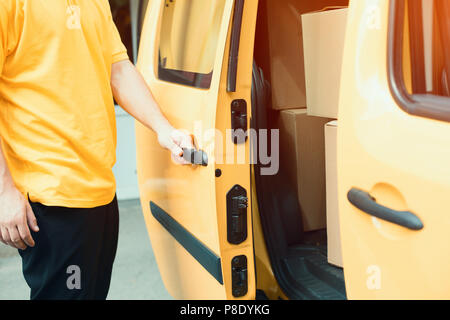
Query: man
[61,63]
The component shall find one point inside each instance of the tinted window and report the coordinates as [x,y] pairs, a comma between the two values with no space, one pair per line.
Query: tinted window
[427,47]
[188,41]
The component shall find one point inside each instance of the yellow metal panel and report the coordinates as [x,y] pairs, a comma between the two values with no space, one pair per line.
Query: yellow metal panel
[192,195]
[236,172]
[402,160]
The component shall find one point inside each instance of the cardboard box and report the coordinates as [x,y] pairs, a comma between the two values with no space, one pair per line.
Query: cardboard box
[333,228]
[287,68]
[302,153]
[323,42]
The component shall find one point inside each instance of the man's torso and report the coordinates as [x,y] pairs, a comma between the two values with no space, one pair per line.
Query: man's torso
[56,107]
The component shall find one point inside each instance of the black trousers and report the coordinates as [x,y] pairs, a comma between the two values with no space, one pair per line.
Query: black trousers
[74,252]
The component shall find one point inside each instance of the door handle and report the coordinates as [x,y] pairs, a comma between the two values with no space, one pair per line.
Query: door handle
[365,202]
[196,157]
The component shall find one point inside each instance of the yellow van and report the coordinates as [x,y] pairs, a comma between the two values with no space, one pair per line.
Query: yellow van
[227,229]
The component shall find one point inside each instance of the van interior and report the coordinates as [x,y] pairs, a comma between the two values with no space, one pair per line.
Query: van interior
[299,254]
[298,257]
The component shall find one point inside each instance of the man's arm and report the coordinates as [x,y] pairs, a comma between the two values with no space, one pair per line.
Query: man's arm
[15,212]
[134,96]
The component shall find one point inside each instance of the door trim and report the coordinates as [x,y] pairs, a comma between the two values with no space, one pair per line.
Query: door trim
[205,256]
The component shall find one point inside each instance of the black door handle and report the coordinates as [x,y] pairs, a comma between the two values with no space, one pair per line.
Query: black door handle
[196,157]
[365,202]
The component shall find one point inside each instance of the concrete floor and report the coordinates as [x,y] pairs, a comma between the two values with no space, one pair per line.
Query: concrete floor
[135,275]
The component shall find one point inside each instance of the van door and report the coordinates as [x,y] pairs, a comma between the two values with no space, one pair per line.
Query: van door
[393,150]
[196,57]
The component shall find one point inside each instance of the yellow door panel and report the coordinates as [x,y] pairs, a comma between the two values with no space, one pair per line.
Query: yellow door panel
[402,162]
[184,59]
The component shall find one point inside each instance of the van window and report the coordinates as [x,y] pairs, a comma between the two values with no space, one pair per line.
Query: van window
[188,41]
[419,57]
[427,31]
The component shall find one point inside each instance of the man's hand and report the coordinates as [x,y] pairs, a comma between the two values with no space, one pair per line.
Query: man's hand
[16,216]
[134,96]
[175,141]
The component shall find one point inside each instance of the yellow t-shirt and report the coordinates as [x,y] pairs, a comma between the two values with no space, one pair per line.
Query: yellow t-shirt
[57,120]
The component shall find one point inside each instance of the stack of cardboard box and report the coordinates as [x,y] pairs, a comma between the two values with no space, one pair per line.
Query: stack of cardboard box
[303,152]
[308,102]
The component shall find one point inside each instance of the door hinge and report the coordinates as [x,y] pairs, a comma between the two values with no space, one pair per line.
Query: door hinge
[239,276]
[237,205]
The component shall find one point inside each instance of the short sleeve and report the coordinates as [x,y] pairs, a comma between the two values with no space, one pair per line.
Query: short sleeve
[119,51]
[11,22]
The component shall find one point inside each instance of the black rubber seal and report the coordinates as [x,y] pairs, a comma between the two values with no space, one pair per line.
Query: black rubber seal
[234,45]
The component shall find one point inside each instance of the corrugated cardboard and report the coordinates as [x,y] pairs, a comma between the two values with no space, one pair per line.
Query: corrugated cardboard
[287,68]
[323,41]
[333,230]
[302,152]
